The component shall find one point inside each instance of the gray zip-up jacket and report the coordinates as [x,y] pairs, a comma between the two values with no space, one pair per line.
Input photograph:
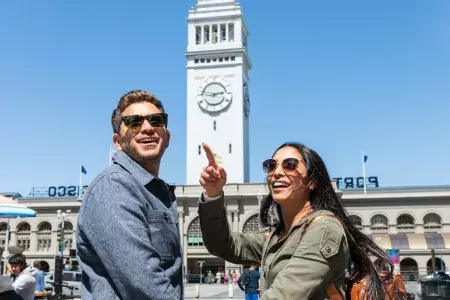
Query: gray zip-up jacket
[128,238]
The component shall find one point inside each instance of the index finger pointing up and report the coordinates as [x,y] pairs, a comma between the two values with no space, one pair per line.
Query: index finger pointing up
[209,155]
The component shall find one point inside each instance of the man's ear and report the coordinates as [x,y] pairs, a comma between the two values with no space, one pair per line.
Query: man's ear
[168,138]
[116,141]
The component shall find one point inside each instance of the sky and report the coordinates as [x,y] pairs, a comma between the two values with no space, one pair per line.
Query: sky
[340,76]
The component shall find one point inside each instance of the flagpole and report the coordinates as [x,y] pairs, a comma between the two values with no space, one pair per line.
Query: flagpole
[79,188]
[110,156]
[364,173]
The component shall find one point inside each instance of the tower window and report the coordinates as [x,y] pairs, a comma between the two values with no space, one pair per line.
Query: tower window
[199,149]
[220,59]
[208,60]
[214,125]
[223,32]
[196,60]
[198,34]
[202,60]
[233,58]
[229,148]
[215,34]
[207,37]
[231,32]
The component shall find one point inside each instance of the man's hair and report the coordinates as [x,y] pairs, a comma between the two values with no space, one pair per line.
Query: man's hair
[44,266]
[17,259]
[129,98]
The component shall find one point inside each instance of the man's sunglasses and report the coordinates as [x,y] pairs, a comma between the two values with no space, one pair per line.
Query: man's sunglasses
[136,121]
[288,164]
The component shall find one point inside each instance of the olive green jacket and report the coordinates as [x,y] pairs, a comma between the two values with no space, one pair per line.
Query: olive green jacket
[294,267]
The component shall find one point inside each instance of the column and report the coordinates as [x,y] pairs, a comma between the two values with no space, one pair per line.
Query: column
[230,218]
[33,241]
[182,241]
[226,32]
[181,226]
[185,262]
[236,220]
[210,34]
[202,37]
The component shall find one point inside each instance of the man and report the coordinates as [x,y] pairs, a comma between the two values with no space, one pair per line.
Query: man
[249,283]
[128,238]
[24,281]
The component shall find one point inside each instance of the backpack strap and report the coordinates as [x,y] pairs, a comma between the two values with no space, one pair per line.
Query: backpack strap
[332,291]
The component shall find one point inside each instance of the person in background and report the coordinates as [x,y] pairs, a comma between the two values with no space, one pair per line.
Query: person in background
[127,236]
[24,281]
[249,283]
[48,276]
[40,280]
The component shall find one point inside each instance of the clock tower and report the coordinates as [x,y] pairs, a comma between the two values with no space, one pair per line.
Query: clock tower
[218,103]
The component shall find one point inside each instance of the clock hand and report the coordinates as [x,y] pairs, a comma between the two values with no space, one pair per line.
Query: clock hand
[217,93]
[208,94]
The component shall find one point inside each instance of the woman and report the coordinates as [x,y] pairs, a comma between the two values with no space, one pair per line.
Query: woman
[307,250]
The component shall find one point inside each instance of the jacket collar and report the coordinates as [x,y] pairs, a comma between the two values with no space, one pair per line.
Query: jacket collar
[135,169]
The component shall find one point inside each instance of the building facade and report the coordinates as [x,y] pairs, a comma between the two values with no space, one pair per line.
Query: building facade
[415,221]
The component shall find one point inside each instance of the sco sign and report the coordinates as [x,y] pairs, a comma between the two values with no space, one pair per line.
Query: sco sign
[65,191]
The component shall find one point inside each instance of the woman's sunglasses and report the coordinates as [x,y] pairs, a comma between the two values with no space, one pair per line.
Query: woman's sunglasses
[136,121]
[288,164]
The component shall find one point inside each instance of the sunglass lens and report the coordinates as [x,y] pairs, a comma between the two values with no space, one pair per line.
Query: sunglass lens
[290,164]
[133,121]
[269,165]
[157,120]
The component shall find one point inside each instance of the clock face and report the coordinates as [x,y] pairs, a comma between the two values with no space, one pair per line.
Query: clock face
[214,94]
[246,100]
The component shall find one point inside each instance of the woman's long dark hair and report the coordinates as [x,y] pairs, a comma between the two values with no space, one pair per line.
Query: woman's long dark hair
[323,197]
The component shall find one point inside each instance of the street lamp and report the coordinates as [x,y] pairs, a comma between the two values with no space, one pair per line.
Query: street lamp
[62,216]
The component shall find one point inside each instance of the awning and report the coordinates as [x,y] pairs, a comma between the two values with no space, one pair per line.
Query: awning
[412,241]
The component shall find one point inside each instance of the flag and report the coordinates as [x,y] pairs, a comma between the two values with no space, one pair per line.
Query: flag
[365,158]
[83,170]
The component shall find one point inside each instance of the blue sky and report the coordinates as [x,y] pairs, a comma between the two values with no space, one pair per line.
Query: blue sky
[345,76]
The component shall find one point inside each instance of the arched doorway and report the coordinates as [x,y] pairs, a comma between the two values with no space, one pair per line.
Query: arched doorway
[251,225]
[440,265]
[409,269]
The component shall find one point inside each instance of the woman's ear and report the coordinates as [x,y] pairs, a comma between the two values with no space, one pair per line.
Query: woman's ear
[311,185]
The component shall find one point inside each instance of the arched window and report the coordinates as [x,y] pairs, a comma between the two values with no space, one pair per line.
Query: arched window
[44,236]
[251,225]
[194,233]
[439,265]
[23,235]
[409,269]
[68,234]
[432,222]
[356,221]
[379,223]
[3,227]
[405,223]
